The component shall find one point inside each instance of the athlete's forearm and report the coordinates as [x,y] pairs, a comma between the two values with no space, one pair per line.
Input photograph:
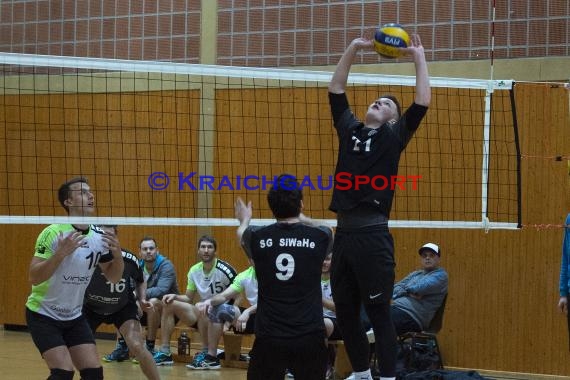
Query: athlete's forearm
[41,270]
[250,310]
[423,89]
[338,81]
[329,304]
[337,84]
[140,291]
[218,299]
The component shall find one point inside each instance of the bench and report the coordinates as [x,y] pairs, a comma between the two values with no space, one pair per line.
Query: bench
[232,349]
[232,344]
[342,366]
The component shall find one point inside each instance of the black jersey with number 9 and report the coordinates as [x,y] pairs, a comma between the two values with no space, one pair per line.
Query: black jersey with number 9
[288,260]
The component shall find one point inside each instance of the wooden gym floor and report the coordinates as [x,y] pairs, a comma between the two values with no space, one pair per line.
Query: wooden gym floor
[20,360]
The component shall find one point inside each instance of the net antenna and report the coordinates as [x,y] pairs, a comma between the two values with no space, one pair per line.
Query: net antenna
[175,144]
[492,48]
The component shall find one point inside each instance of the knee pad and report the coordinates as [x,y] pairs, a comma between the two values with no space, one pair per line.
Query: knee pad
[91,373]
[60,374]
[222,313]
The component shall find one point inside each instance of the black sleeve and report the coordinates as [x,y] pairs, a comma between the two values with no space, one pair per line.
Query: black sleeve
[132,268]
[246,240]
[410,121]
[328,231]
[137,275]
[339,104]
[106,257]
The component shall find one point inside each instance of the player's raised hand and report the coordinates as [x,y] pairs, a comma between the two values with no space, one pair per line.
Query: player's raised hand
[66,245]
[243,212]
[416,48]
[363,43]
[112,242]
[563,305]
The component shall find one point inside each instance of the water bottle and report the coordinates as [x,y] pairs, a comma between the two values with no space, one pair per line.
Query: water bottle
[184,344]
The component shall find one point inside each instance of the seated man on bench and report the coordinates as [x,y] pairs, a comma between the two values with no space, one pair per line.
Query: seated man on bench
[210,276]
[418,296]
[219,311]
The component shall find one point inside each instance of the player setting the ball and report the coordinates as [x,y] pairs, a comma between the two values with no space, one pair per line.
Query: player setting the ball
[362,269]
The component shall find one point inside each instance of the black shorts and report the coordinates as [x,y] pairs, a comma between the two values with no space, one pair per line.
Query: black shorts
[363,265]
[305,356]
[336,335]
[130,311]
[48,333]
[144,322]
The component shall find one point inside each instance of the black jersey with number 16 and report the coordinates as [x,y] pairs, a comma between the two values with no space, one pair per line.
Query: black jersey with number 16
[105,298]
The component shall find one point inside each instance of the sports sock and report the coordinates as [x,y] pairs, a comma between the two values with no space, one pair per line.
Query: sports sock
[364,375]
[123,343]
[165,348]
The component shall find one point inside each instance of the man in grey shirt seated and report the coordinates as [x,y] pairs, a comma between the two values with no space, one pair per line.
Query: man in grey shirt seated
[417,297]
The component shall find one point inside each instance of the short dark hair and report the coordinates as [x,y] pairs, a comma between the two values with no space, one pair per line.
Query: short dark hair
[285,197]
[209,239]
[148,238]
[113,226]
[64,190]
[396,102]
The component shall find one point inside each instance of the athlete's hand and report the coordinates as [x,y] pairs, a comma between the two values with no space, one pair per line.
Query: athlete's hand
[68,244]
[112,243]
[241,322]
[204,307]
[415,49]
[169,298]
[563,305]
[415,295]
[243,212]
[146,305]
[362,43]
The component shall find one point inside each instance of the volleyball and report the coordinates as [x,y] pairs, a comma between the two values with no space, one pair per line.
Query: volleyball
[389,38]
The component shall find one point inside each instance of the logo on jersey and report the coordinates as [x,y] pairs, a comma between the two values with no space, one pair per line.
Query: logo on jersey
[358,144]
[375,296]
[76,280]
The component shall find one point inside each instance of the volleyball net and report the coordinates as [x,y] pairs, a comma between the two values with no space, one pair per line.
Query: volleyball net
[176,144]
